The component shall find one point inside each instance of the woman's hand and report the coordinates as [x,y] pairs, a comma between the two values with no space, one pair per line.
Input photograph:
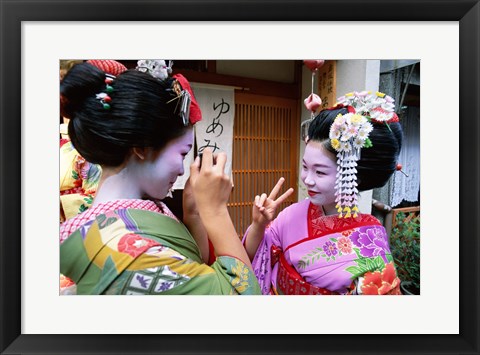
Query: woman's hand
[264,207]
[210,185]
[211,188]
[263,212]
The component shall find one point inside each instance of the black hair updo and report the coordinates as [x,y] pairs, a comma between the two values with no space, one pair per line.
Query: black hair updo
[377,163]
[139,113]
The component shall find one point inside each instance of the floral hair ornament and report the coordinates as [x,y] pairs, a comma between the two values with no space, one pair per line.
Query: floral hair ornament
[184,101]
[195,114]
[187,107]
[112,68]
[158,69]
[155,67]
[377,107]
[104,98]
[349,134]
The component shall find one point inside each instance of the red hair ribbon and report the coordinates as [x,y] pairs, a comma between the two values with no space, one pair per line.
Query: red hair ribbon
[195,112]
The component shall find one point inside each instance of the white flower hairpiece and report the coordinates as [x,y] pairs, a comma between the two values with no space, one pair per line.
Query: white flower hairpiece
[155,67]
[349,133]
[378,106]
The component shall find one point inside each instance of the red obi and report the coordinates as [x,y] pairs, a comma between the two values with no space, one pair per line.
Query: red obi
[290,282]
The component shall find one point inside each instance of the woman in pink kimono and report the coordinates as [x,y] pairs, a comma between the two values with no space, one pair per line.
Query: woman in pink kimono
[323,245]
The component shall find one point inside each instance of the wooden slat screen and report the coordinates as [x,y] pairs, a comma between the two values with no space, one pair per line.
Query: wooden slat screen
[265,148]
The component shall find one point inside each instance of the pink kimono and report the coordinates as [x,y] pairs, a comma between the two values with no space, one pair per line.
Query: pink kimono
[305,252]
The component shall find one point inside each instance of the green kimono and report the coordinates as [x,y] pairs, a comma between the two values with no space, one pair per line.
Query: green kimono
[133,252]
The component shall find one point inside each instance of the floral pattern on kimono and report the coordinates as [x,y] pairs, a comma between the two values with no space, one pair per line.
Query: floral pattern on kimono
[78,182]
[132,251]
[329,255]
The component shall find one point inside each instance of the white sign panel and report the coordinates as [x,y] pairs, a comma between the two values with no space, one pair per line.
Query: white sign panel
[215,130]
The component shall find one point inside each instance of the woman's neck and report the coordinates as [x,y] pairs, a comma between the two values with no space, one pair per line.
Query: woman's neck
[329,210]
[116,184]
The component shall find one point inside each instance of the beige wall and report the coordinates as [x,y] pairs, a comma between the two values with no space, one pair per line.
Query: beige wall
[274,70]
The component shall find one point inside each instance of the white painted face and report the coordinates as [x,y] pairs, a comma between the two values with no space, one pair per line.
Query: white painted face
[319,170]
[158,172]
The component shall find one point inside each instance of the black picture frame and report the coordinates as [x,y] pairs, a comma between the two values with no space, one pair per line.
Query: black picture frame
[13,12]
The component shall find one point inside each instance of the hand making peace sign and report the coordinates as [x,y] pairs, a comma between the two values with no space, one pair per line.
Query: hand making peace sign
[264,207]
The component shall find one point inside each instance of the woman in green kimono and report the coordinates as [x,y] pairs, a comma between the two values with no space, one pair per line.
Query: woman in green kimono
[139,128]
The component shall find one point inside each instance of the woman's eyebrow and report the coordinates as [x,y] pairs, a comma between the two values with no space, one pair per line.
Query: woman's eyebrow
[317,165]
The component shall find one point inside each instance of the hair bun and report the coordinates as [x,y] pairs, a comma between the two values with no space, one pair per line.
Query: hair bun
[80,83]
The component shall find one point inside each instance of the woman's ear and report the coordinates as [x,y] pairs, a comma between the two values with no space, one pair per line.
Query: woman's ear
[141,153]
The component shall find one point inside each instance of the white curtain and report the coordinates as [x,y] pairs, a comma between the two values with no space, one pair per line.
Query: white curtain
[407,188]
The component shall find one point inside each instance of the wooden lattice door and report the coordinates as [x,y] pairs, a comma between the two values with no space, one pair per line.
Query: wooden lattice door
[265,148]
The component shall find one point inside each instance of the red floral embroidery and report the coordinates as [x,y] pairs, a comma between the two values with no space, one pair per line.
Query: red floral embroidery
[344,244]
[65,282]
[320,225]
[73,190]
[134,245]
[347,232]
[78,184]
[381,283]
